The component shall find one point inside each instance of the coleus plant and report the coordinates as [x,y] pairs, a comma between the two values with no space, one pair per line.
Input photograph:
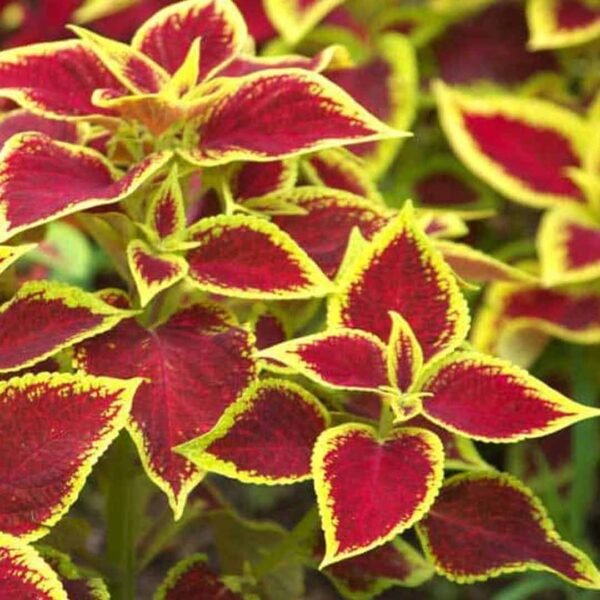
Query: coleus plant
[218,183]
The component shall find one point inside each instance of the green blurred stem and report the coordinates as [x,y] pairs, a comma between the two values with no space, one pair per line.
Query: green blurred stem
[585,447]
[121,511]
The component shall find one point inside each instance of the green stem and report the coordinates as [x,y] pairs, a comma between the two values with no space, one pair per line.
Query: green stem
[121,511]
[585,447]
[386,420]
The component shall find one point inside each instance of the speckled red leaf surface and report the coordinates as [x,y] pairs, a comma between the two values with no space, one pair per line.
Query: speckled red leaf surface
[256,117]
[343,358]
[400,271]
[75,178]
[24,574]
[502,528]
[249,257]
[490,399]
[330,215]
[193,578]
[218,24]
[42,78]
[196,365]
[266,437]
[370,489]
[64,423]
[57,315]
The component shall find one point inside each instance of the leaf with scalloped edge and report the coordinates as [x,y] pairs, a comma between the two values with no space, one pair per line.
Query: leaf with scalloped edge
[502,528]
[42,79]
[56,317]
[562,23]
[293,19]
[42,179]
[11,254]
[568,244]
[153,271]
[134,70]
[404,354]
[24,574]
[340,169]
[473,265]
[328,217]
[265,437]
[401,271]
[79,584]
[167,36]
[64,423]
[195,365]
[369,490]
[248,257]
[387,86]
[363,577]
[490,399]
[193,578]
[340,358]
[255,118]
[522,147]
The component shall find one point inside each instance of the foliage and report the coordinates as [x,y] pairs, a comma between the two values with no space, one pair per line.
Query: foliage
[209,249]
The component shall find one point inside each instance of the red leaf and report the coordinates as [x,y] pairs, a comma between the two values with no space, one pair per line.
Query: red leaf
[153,271]
[254,179]
[192,578]
[344,358]
[256,118]
[490,45]
[167,36]
[502,528]
[368,575]
[196,365]
[569,245]
[323,231]
[56,78]
[523,147]
[74,178]
[64,423]
[78,585]
[400,271]
[57,316]
[250,257]
[19,121]
[266,437]
[370,490]
[490,399]
[23,573]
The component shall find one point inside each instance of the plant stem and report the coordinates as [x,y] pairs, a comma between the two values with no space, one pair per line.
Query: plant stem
[585,447]
[121,521]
